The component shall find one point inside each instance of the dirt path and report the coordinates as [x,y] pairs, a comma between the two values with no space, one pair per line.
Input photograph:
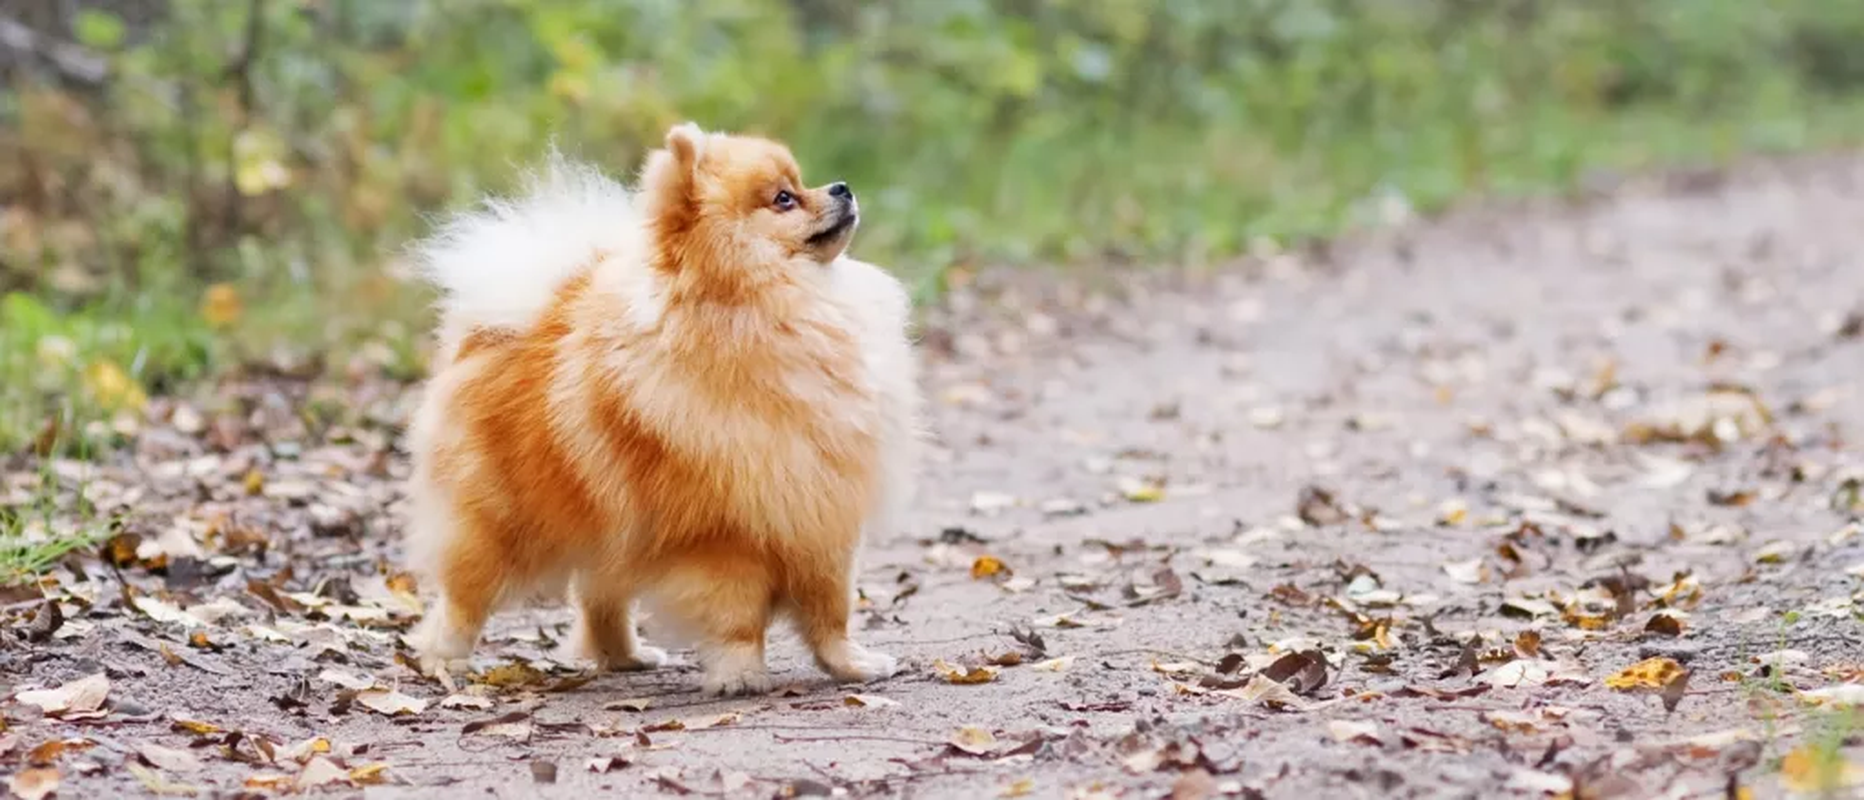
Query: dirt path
[1441,460]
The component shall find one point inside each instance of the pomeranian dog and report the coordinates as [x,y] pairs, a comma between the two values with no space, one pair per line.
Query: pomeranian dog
[684,395]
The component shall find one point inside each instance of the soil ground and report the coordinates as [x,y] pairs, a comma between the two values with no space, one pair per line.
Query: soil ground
[1380,521]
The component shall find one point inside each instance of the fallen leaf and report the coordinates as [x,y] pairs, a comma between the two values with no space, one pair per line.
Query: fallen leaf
[1137,490]
[195,727]
[515,725]
[1663,624]
[869,701]
[1056,664]
[319,772]
[1318,508]
[964,676]
[1303,673]
[1267,691]
[1472,571]
[988,566]
[1521,672]
[369,774]
[50,751]
[304,751]
[168,758]
[974,740]
[470,701]
[1345,731]
[34,784]
[1651,673]
[389,702]
[83,696]
[509,675]
[346,680]
[1527,644]
[606,764]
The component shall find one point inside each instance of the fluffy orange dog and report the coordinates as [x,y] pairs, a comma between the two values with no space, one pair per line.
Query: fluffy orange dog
[685,395]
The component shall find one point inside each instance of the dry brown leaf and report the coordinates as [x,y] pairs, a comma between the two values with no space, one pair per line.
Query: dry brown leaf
[195,727]
[964,676]
[1303,673]
[467,701]
[34,784]
[390,702]
[1664,625]
[168,758]
[869,701]
[83,696]
[1361,732]
[1527,644]
[1267,691]
[508,675]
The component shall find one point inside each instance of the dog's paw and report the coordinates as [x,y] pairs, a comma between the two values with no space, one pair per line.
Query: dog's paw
[644,658]
[735,670]
[861,665]
[726,684]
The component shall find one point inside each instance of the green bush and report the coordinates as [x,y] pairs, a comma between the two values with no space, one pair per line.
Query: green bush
[290,154]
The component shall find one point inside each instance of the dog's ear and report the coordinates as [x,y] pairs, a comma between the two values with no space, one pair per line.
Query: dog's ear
[687,144]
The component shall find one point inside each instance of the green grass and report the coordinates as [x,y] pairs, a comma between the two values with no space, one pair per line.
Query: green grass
[35,535]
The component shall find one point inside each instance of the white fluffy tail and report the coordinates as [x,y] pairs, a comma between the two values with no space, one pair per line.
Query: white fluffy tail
[499,265]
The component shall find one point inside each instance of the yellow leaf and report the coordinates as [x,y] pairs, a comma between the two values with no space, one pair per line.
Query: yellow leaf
[196,727]
[112,388]
[368,773]
[220,305]
[1022,787]
[987,566]
[964,676]
[974,740]
[1651,673]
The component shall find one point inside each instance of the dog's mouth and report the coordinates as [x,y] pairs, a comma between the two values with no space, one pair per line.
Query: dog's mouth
[844,222]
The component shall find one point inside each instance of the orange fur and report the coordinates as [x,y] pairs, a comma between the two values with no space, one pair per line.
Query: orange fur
[701,422]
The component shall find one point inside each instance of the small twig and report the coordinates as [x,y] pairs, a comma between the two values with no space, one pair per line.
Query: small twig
[852,738]
[1151,651]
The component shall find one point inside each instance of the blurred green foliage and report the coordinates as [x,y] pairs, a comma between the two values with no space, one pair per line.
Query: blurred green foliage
[288,147]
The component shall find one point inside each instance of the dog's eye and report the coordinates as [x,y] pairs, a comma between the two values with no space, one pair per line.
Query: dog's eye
[785,201]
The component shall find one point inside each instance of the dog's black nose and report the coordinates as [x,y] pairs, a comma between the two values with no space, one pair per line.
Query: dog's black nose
[840,191]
